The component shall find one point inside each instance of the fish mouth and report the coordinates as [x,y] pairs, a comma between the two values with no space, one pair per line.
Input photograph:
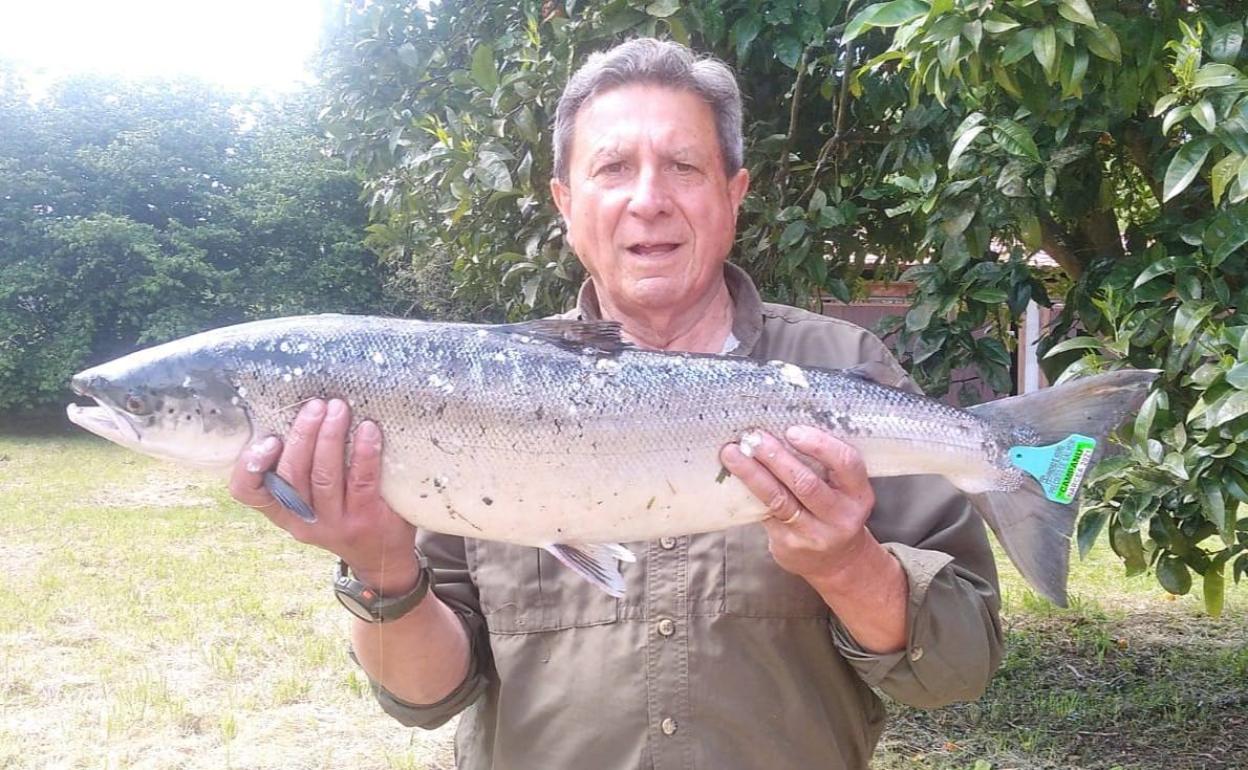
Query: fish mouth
[103,421]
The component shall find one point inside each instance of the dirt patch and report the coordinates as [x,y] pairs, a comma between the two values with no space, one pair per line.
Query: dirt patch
[157,490]
[1151,691]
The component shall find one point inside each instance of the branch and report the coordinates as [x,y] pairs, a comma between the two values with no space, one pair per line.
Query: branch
[1140,155]
[1100,228]
[1056,242]
[783,177]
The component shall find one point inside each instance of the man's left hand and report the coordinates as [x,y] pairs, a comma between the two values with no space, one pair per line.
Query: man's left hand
[817,517]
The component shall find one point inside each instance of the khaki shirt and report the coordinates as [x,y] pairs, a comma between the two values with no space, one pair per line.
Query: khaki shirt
[716,657]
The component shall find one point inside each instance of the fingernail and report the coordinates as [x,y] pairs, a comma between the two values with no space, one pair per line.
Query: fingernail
[800,434]
[750,441]
[315,407]
[336,407]
[368,432]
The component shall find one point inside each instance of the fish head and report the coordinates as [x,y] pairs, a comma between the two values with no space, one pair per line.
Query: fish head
[173,405]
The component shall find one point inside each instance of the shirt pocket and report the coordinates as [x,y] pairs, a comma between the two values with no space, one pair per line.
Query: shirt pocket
[525,590]
[755,586]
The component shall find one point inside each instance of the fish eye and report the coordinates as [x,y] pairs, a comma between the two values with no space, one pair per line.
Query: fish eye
[135,405]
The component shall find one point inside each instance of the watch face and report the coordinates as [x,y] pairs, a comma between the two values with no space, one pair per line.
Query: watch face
[353,601]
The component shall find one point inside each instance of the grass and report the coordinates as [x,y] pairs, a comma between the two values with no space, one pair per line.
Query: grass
[148,621]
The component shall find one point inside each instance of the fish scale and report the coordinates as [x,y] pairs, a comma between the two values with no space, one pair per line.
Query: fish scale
[555,434]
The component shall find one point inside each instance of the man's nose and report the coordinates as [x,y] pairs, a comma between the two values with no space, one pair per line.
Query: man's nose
[650,194]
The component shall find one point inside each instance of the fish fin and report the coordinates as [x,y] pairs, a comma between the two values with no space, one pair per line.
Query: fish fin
[596,562]
[874,371]
[1034,530]
[281,489]
[1092,406]
[1035,533]
[573,334]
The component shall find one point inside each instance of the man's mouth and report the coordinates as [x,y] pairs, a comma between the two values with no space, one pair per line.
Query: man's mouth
[653,248]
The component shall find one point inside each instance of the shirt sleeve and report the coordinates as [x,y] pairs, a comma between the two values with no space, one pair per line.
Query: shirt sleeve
[954,640]
[454,587]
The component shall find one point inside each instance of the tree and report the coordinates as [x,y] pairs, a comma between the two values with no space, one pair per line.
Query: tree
[133,213]
[949,139]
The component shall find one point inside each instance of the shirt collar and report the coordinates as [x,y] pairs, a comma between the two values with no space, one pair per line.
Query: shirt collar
[747,307]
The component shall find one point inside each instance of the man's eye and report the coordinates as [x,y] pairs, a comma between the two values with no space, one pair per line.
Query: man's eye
[684,168]
[611,168]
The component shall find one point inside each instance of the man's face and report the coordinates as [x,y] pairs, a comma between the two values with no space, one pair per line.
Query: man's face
[649,210]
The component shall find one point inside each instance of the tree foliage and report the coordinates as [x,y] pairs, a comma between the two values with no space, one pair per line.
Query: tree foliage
[945,140]
[132,213]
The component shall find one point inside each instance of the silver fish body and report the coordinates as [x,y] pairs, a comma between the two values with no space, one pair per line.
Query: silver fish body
[550,432]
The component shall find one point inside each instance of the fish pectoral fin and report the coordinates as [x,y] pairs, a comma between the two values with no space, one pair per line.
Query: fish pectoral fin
[596,562]
[575,335]
[285,494]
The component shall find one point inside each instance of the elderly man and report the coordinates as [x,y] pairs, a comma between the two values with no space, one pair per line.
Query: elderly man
[755,647]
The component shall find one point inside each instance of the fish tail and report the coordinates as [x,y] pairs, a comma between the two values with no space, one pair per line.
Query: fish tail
[1034,528]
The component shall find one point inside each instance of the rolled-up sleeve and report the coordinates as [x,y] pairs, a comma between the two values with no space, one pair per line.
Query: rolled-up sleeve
[455,588]
[954,640]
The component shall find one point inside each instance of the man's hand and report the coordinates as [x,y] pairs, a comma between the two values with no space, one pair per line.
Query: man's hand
[826,509]
[817,529]
[353,521]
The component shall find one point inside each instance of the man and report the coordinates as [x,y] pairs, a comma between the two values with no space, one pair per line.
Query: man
[755,647]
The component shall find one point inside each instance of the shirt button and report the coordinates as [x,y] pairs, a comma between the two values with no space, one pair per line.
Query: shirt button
[666,627]
[916,653]
[667,543]
[668,726]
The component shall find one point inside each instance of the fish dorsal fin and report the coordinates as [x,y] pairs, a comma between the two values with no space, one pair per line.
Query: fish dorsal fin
[596,562]
[874,371]
[573,334]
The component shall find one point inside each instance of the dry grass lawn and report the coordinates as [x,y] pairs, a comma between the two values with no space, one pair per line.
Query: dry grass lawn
[146,621]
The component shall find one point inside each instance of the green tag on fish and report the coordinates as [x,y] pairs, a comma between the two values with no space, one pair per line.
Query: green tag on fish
[1058,467]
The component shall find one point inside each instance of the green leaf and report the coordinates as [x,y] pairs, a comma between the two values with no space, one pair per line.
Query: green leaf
[788,50]
[1077,11]
[1214,75]
[663,8]
[1015,139]
[1185,166]
[1090,526]
[1103,42]
[1173,575]
[1045,49]
[1225,42]
[1074,343]
[746,28]
[891,14]
[990,295]
[963,142]
[793,233]
[1164,103]
[1204,114]
[1128,546]
[1222,173]
[1236,405]
[1215,589]
[919,316]
[483,71]
[492,169]
[1187,318]
[1174,117]
[996,22]
[1144,420]
[1019,47]
[1213,504]
[1161,267]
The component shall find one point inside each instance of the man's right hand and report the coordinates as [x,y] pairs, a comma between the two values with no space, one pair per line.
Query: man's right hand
[352,520]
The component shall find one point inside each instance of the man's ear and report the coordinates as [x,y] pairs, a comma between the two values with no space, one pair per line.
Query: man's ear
[738,186]
[562,194]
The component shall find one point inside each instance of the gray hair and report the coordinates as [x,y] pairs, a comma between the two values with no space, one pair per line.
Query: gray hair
[656,62]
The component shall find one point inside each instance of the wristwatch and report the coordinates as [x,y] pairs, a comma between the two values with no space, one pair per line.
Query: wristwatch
[367,604]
